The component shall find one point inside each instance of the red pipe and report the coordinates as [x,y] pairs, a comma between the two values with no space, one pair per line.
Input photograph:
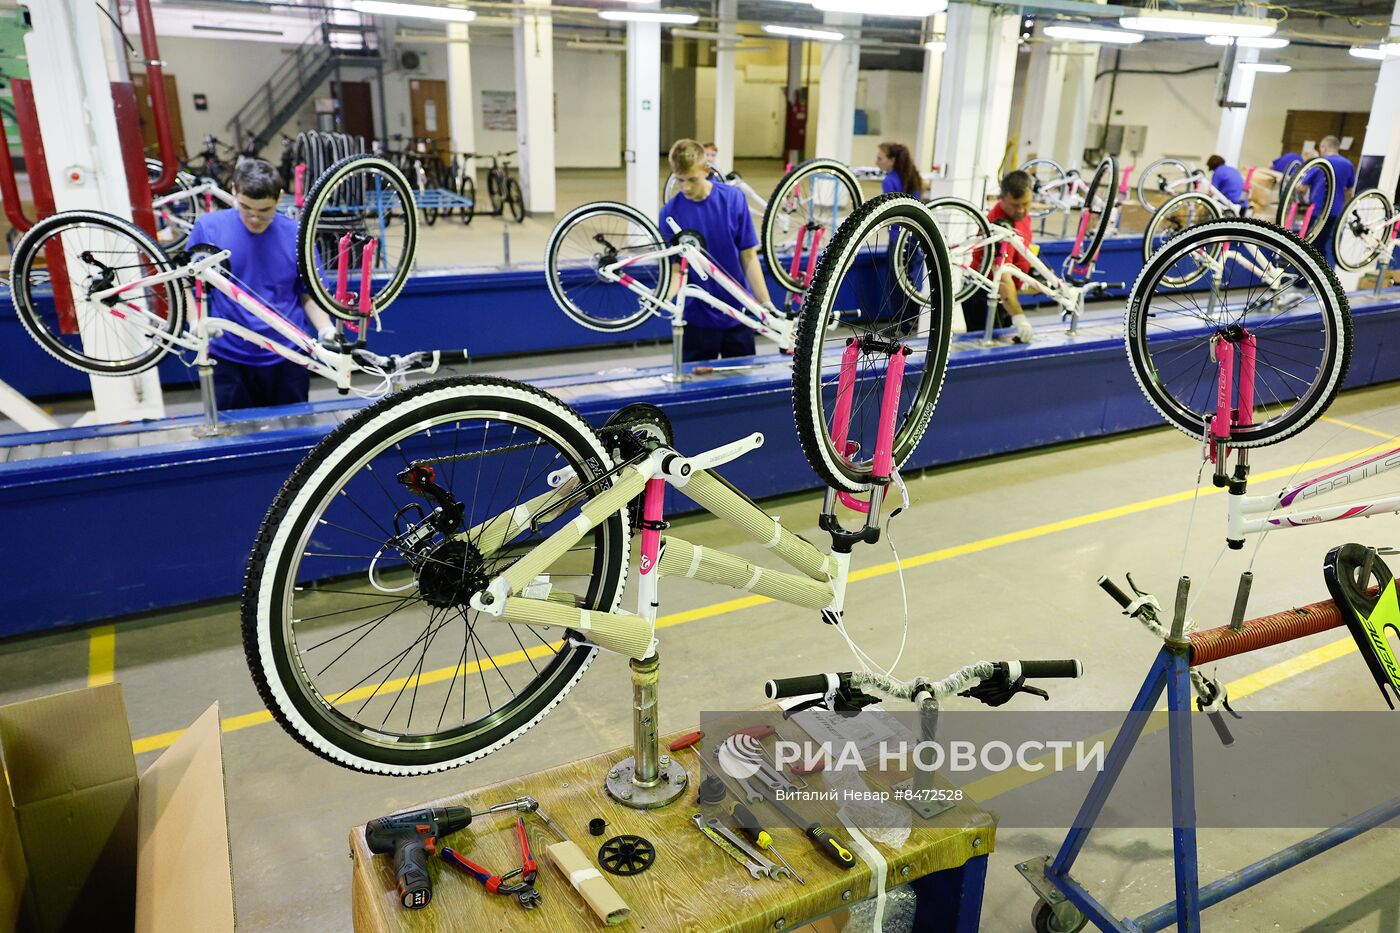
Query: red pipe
[133,155]
[9,188]
[160,108]
[1217,644]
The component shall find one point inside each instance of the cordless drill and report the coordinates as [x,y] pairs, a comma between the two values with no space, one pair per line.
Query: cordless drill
[411,837]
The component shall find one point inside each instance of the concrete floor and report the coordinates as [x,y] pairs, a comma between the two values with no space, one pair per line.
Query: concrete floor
[1001,557]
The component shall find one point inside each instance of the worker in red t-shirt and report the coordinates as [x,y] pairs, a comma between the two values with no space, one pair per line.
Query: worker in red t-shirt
[1013,209]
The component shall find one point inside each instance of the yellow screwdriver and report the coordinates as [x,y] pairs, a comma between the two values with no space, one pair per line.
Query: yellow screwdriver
[748,824]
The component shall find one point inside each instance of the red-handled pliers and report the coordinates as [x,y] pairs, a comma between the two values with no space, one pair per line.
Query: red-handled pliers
[523,889]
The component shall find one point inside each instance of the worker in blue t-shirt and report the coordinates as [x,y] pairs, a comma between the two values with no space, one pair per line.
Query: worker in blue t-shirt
[1344,174]
[718,215]
[262,247]
[1285,161]
[1227,180]
[900,174]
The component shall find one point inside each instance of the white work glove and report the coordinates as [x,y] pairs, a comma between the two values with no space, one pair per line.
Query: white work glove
[1024,332]
[772,309]
[328,336]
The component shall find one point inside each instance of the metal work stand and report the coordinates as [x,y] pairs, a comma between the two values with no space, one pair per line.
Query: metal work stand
[1065,902]
[678,373]
[920,786]
[210,428]
[648,779]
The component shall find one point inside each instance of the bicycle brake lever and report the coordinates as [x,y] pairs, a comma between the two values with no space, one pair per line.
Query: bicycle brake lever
[999,690]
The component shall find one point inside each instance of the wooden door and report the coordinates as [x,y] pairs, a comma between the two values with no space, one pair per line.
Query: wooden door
[1301,126]
[147,115]
[428,105]
[356,109]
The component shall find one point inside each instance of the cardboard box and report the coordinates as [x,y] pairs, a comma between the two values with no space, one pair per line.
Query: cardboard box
[86,844]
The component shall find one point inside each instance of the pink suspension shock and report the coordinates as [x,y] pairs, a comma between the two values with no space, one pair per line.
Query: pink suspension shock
[342,271]
[367,264]
[651,531]
[812,256]
[889,409]
[845,392]
[1307,220]
[198,300]
[1245,415]
[1123,184]
[299,185]
[795,267]
[1083,232]
[1225,372]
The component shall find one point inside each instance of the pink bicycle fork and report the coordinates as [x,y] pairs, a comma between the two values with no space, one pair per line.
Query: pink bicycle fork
[796,272]
[1232,410]
[882,464]
[342,280]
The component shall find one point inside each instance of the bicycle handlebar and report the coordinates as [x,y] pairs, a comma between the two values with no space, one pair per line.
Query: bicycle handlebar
[991,682]
[426,361]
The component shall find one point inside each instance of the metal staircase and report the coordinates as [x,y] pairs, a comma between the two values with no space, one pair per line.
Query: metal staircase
[341,40]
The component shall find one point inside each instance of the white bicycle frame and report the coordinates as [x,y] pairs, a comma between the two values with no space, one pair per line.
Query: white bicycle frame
[1292,507]
[1004,240]
[337,367]
[690,257]
[207,189]
[1200,183]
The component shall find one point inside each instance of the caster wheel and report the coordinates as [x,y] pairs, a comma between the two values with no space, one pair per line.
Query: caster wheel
[1043,919]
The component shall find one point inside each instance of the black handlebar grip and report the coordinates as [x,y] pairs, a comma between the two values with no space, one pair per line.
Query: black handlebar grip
[411,870]
[1067,668]
[1112,589]
[795,686]
[452,357]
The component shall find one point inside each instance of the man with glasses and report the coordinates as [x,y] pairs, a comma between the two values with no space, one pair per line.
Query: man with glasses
[262,247]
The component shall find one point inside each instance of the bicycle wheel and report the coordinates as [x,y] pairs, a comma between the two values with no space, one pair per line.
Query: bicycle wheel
[1048,185]
[494,189]
[1161,181]
[467,189]
[858,305]
[592,238]
[176,210]
[515,200]
[1362,230]
[963,226]
[1100,203]
[1271,286]
[357,201]
[808,205]
[1303,210]
[669,190]
[68,256]
[1180,213]
[356,617]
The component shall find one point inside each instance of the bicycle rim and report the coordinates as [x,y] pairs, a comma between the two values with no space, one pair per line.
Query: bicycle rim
[1182,213]
[360,202]
[599,236]
[807,206]
[1161,181]
[66,257]
[1048,189]
[962,226]
[1271,287]
[1100,199]
[356,617]
[1299,212]
[857,308]
[1362,231]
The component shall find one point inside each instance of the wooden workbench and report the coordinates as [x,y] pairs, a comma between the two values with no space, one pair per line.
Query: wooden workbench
[692,886]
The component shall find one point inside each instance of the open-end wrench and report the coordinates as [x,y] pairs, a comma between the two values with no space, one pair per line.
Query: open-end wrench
[754,868]
[770,868]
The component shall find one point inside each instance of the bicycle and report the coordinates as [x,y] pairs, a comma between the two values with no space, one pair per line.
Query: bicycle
[1366,234]
[984,252]
[177,210]
[1202,202]
[1298,207]
[119,306]
[501,187]
[431,537]
[598,247]
[1055,188]
[1275,306]
[807,206]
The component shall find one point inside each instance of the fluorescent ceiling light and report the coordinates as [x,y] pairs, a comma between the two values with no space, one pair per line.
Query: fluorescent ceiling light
[1093,34]
[1200,24]
[912,8]
[1248,43]
[418,10]
[821,35]
[937,45]
[1390,48]
[1366,51]
[642,16]
[1266,67]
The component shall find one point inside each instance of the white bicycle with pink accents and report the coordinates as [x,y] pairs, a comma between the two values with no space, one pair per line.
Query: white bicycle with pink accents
[443,568]
[1252,358]
[99,294]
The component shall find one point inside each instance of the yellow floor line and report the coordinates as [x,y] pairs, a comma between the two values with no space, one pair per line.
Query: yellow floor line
[1358,427]
[233,724]
[102,655]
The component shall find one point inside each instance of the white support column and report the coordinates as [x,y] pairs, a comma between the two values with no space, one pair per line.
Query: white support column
[1041,125]
[1229,140]
[928,98]
[1076,104]
[73,95]
[974,106]
[644,116]
[840,72]
[1383,129]
[534,107]
[726,81]
[461,103]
